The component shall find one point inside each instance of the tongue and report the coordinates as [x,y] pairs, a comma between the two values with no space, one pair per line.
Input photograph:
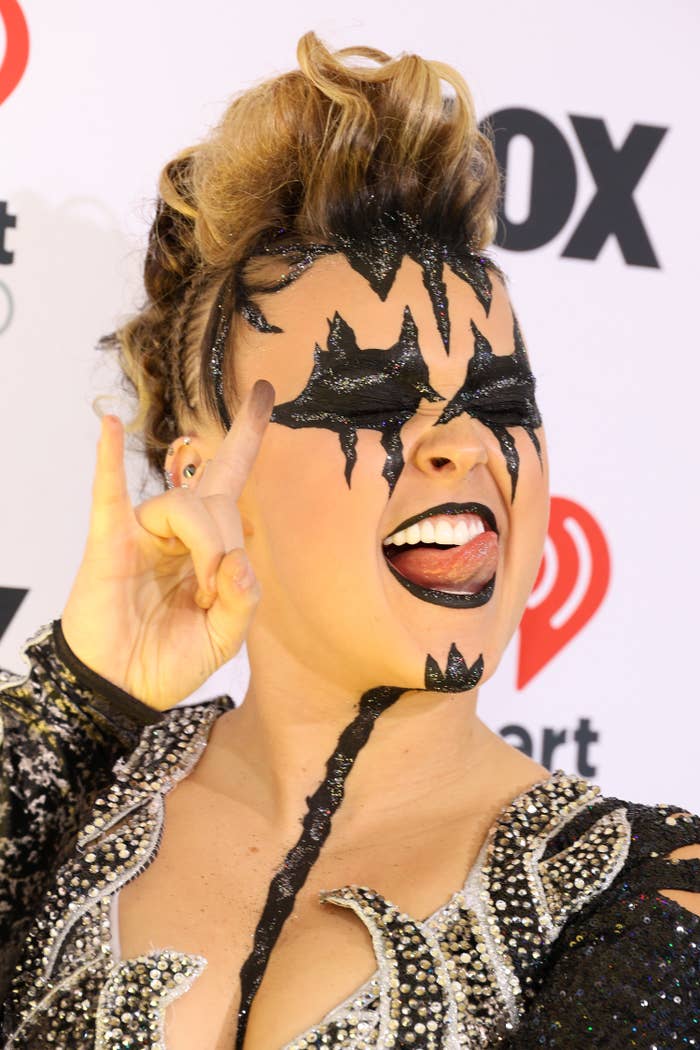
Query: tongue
[464,570]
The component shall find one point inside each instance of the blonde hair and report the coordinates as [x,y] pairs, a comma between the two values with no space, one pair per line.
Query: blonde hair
[311,152]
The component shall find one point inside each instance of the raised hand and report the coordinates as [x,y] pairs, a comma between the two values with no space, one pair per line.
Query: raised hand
[165,593]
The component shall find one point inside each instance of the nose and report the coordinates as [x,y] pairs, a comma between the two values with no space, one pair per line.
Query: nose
[451,449]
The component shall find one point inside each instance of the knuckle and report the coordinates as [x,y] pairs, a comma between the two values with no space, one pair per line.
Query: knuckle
[178,496]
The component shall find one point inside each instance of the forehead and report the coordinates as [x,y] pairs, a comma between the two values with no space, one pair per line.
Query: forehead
[304,309]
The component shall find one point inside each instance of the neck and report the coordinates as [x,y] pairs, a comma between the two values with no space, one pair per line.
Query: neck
[422,745]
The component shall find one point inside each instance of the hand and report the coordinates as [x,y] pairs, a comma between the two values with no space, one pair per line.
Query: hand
[161,599]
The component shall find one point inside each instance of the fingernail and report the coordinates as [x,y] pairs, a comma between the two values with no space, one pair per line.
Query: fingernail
[109,422]
[262,398]
[243,574]
[204,600]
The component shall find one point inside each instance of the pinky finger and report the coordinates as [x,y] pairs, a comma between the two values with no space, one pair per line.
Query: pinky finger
[111,506]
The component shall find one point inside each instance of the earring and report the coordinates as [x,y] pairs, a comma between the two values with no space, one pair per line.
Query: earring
[189,471]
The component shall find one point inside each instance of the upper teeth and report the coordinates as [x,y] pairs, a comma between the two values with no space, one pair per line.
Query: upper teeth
[461,530]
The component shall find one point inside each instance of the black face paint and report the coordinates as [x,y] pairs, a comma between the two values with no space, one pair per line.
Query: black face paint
[316,824]
[458,676]
[351,389]
[473,269]
[377,255]
[232,295]
[256,318]
[499,391]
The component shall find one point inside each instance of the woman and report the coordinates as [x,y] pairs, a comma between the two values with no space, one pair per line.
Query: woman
[333,384]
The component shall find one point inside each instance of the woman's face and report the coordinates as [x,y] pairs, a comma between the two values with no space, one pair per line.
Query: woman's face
[354,450]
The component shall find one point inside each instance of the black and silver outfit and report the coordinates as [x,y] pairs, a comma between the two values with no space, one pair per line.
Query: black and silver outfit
[559,936]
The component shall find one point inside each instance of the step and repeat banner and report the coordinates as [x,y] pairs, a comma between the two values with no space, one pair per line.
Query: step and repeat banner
[595,115]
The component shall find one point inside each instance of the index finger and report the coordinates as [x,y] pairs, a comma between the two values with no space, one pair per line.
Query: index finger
[228,471]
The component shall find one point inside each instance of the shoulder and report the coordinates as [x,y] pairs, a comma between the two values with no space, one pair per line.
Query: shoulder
[171,745]
[650,909]
[664,851]
[659,846]
[625,966]
[197,718]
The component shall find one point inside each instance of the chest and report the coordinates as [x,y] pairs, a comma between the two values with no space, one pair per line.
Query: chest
[204,893]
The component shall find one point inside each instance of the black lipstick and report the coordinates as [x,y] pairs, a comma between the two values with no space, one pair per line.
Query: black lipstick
[431,594]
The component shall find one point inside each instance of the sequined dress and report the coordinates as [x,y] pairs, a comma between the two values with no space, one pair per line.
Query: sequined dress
[558,937]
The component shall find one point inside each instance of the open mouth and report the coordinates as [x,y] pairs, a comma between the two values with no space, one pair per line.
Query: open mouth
[446,555]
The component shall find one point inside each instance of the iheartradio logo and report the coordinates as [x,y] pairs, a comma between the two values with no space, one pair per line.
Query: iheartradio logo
[571,584]
[16,55]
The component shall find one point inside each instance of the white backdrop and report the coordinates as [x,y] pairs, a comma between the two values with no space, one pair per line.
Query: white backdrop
[601,679]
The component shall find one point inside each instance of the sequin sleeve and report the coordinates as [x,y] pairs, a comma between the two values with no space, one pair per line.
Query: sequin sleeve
[625,971]
[62,728]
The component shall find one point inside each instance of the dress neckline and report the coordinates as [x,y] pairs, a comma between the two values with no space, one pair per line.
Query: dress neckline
[367,991]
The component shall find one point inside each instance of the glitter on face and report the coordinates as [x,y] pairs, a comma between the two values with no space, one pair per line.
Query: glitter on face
[377,256]
[382,389]
[351,389]
[499,391]
[458,675]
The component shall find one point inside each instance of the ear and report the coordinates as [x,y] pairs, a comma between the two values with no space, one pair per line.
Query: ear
[184,461]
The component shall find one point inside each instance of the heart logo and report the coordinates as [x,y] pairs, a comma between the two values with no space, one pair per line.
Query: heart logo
[571,584]
[16,47]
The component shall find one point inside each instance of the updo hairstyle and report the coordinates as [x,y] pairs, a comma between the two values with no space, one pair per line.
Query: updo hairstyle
[322,151]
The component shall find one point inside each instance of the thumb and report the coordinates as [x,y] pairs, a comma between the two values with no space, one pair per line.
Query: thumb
[237,594]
